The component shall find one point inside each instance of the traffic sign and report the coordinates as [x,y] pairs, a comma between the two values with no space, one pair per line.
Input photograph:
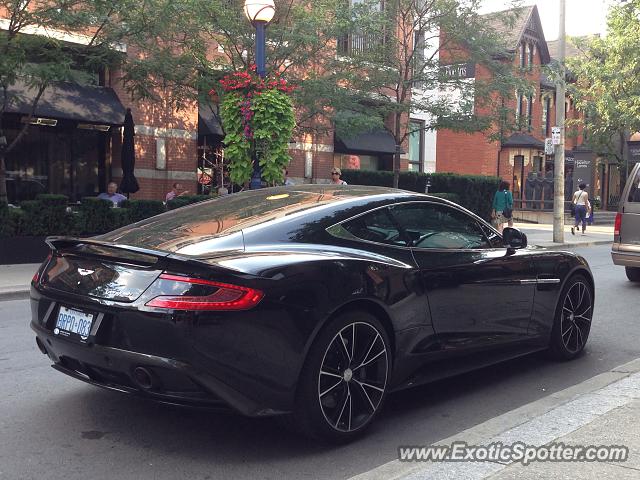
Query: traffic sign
[555,135]
[548,146]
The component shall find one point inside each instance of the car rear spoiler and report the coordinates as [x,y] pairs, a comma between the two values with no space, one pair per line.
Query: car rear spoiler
[106,250]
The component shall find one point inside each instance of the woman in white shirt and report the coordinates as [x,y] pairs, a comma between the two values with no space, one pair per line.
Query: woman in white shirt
[581,202]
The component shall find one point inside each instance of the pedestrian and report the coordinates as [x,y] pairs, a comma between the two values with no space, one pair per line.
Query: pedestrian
[112,194]
[173,193]
[287,180]
[582,207]
[336,173]
[502,206]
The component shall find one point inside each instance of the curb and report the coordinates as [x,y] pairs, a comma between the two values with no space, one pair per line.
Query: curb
[561,246]
[396,470]
[14,293]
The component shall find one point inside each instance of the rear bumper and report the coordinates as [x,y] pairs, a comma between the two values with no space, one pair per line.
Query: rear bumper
[174,382]
[247,361]
[626,255]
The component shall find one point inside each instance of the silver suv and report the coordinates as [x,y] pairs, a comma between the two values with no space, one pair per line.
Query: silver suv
[626,234]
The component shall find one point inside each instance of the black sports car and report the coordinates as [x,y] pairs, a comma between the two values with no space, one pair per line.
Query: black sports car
[309,301]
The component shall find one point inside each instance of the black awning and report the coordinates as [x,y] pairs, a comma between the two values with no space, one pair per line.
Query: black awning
[208,123]
[373,142]
[522,140]
[69,101]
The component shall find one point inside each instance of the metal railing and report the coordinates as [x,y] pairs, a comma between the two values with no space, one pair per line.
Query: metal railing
[356,44]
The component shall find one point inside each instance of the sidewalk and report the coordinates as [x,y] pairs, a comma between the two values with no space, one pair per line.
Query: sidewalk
[15,279]
[542,235]
[601,411]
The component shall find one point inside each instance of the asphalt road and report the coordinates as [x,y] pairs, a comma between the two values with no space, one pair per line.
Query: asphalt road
[54,427]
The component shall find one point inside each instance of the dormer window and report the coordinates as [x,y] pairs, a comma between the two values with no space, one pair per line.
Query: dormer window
[523,57]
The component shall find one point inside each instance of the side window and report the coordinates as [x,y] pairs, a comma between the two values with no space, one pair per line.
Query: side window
[430,225]
[494,239]
[634,191]
[376,226]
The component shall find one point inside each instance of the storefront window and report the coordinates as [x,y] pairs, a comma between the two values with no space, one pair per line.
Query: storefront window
[356,161]
[62,159]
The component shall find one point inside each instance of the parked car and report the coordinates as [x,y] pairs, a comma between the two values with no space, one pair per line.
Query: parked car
[311,302]
[626,235]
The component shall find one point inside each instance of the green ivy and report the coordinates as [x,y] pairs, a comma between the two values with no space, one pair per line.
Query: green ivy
[272,125]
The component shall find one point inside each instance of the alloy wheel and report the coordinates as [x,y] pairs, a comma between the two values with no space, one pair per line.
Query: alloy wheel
[576,317]
[353,376]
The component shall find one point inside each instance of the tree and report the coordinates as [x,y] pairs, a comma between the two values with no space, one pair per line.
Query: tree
[397,59]
[300,38]
[36,51]
[607,86]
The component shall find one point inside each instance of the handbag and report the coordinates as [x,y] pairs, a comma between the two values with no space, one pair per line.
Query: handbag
[507,212]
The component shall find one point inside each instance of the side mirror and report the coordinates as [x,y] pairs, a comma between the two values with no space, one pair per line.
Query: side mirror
[513,238]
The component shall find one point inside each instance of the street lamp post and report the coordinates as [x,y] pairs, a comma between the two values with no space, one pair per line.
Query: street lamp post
[259,13]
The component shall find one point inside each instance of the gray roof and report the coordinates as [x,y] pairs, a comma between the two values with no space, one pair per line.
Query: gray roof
[523,140]
[571,48]
[511,25]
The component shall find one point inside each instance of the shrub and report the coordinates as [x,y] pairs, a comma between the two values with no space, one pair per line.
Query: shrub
[141,209]
[118,217]
[475,192]
[6,227]
[183,200]
[16,221]
[48,215]
[94,215]
[452,197]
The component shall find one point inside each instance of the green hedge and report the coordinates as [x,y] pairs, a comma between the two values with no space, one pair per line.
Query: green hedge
[452,197]
[475,192]
[6,227]
[46,215]
[94,215]
[141,209]
[183,200]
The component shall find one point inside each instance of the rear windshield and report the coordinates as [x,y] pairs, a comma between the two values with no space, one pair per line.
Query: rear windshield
[634,191]
[225,215]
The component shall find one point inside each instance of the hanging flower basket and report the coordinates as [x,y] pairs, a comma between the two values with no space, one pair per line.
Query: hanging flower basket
[258,117]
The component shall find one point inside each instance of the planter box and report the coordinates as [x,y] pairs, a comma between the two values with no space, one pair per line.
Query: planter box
[22,250]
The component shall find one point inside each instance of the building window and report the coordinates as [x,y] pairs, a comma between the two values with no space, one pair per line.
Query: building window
[352,161]
[518,107]
[529,110]
[418,59]
[362,43]
[530,55]
[546,118]
[416,145]
[522,55]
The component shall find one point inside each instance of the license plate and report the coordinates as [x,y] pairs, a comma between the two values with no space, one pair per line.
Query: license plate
[73,322]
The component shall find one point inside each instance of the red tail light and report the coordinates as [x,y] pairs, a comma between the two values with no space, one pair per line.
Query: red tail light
[617,224]
[36,276]
[227,297]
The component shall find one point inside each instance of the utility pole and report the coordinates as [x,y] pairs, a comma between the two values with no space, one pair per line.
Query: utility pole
[558,171]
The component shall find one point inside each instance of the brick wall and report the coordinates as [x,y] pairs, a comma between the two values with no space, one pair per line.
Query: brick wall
[156,120]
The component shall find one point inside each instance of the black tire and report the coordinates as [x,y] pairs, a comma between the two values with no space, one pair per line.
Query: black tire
[633,273]
[572,322]
[354,377]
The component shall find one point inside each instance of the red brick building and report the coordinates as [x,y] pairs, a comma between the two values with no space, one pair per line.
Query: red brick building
[519,157]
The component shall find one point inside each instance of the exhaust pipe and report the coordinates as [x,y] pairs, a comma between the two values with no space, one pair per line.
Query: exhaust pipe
[144,378]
